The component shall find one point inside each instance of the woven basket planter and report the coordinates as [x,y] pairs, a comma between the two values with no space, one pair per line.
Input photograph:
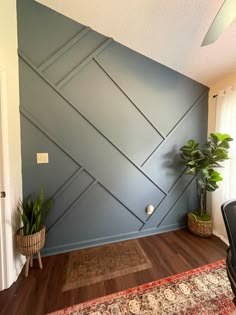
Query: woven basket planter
[30,244]
[198,227]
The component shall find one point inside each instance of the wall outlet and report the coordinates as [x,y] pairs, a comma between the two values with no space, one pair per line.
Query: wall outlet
[42,158]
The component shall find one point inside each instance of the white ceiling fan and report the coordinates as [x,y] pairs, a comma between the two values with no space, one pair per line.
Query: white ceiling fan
[223,19]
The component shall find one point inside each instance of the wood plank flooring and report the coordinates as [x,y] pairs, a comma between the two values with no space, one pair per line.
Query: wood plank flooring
[170,253]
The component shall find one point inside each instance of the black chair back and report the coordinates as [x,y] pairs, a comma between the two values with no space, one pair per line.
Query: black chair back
[229,215]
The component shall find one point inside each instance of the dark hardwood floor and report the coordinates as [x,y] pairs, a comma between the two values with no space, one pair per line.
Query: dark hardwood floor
[170,253]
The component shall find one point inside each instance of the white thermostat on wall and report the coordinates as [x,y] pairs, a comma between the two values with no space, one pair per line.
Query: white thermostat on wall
[42,158]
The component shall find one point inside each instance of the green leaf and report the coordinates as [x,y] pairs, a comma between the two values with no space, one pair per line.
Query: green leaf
[224,144]
[213,138]
[223,136]
[192,171]
[215,176]
[33,229]
[27,229]
[38,223]
[212,186]
[205,172]
[29,203]
[192,143]
[191,163]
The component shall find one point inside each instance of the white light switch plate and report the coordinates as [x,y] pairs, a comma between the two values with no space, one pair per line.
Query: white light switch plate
[42,158]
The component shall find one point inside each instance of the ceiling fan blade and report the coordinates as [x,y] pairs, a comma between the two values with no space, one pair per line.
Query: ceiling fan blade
[223,19]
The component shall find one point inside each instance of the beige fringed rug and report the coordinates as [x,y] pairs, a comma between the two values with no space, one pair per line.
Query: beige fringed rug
[88,266]
[203,291]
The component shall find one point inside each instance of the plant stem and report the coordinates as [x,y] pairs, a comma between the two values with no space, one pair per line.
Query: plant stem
[201,196]
[202,202]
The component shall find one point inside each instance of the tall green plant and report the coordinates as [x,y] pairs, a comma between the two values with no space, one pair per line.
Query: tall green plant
[202,161]
[33,212]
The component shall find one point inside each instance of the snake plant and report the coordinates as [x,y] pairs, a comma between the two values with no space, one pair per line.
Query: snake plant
[201,162]
[33,212]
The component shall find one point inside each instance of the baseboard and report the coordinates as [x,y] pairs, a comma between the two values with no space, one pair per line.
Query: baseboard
[106,240]
[222,237]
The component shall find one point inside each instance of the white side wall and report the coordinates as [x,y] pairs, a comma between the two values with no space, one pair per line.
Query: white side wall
[9,64]
[214,89]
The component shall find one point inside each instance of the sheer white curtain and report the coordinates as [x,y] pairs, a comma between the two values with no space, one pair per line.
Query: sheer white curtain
[225,123]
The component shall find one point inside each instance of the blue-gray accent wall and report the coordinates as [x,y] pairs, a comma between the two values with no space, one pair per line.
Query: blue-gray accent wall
[112,122]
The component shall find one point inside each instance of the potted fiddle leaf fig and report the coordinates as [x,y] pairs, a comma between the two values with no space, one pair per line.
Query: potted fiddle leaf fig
[202,162]
[30,238]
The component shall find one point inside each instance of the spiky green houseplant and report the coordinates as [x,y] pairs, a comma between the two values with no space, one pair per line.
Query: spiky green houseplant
[33,212]
[202,161]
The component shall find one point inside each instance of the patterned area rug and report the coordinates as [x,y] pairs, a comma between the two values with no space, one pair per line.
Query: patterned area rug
[96,264]
[205,290]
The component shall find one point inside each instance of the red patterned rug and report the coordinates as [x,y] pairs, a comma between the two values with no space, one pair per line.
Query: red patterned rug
[205,290]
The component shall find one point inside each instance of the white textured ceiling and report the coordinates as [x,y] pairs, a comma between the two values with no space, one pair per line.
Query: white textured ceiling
[168,31]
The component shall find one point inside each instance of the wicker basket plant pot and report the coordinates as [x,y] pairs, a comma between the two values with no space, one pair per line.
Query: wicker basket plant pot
[30,238]
[29,245]
[202,162]
[199,227]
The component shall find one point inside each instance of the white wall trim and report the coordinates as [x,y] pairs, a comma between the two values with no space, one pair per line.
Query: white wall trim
[12,261]
[6,224]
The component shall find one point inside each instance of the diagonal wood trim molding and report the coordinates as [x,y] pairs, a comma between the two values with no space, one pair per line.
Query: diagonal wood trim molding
[73,203]
[66,47]
[55,88]
[176,125]
[96,52]
[106,72]
[73,157]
